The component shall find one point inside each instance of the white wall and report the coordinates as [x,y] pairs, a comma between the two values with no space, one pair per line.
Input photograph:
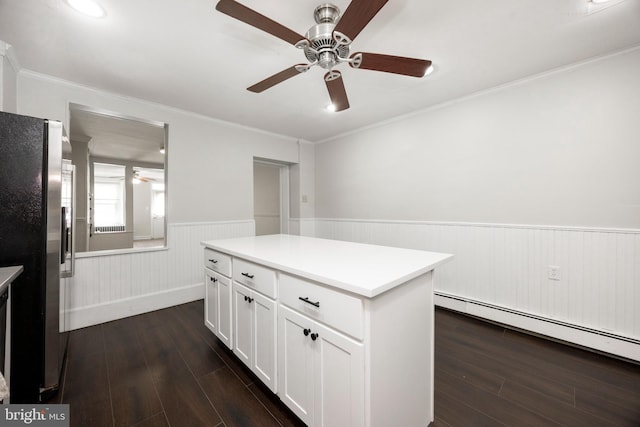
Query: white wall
[142,210]
[541,172]
[561,149]
[266,198]
[8,84]
[209,191]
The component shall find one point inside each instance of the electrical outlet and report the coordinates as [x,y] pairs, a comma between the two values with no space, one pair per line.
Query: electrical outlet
[553,272]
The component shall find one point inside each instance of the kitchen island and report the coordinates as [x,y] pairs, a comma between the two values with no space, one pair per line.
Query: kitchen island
[342,332]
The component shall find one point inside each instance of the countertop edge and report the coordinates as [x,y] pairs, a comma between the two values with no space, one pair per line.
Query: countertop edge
[349,287]
[8,275]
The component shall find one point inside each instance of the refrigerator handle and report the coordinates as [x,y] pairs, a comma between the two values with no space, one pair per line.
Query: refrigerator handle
[64,235]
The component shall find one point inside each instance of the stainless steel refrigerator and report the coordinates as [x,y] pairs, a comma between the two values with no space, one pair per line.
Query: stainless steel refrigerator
[35,232]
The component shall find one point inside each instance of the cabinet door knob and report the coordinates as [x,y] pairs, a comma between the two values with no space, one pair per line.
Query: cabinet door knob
[250,276]
[306,331]
[314,336]
[213,261]
[214,280]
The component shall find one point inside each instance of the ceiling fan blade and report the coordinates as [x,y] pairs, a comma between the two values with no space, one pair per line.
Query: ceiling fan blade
[253,18]
[337,93]
[278,78]
[356,17]
[390,64]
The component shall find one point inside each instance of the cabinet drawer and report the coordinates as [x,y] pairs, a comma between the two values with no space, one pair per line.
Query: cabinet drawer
[337,309]
[257,277]
[217,261]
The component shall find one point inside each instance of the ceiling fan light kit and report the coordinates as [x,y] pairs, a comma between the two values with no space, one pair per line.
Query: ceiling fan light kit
[328,44]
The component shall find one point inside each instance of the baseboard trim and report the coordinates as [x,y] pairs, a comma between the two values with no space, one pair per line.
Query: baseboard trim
[113,310]
[616,345]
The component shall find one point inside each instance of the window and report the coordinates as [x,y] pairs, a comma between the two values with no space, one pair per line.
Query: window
[109,197]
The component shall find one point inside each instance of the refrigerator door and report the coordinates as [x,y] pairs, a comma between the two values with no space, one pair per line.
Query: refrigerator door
[53,195]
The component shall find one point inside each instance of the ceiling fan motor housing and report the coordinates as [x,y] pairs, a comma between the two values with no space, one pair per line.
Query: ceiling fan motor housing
[323,48]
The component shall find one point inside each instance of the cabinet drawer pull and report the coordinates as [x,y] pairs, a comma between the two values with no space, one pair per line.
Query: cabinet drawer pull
[306,332]
[250,276]
[248,299]
[306,299]
[213,261]
[213,279]
[314,336]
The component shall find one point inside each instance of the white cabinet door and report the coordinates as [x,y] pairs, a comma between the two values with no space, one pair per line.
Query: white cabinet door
[295,363]
[217,314]
[321,372]
[339,385]
[264,339]
[224,311]
[242,323]
[211,301]
[254,321]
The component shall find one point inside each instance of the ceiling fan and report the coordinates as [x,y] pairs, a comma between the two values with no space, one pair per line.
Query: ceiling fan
[327,44]
[136,175]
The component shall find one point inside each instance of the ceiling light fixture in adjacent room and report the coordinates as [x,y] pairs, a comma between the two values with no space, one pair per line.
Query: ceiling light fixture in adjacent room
[88,8]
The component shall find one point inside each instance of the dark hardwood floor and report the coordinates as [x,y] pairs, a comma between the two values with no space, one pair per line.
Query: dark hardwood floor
[166,369]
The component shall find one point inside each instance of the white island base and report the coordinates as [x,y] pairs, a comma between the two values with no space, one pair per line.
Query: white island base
[341,332]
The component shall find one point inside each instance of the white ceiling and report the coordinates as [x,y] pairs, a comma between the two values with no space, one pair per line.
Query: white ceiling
[185,54]
[113,136]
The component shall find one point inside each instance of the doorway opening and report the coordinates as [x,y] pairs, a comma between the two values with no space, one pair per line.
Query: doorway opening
[270,197]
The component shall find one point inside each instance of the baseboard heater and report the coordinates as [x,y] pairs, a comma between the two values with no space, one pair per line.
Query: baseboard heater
[109,228]
[593,339]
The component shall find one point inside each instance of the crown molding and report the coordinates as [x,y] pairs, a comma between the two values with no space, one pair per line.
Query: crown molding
[8,52]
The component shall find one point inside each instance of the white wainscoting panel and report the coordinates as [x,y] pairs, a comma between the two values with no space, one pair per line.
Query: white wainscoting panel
[507,266]
[112,286]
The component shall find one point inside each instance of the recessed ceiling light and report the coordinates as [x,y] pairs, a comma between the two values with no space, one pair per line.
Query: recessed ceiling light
[331,108]
[87,8]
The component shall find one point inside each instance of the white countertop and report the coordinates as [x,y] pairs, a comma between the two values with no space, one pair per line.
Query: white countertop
[8,275]
[367,270]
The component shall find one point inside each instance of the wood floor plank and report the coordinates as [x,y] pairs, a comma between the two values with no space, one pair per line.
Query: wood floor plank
[523,369]
[184,402]
[506,412]
[193,348]
[162,357]
[451,412]
[86,378]
[237,406]
[273,404]
[541,403]
[579,361]
[86,341]
[622,410]
[470,371]
[158,420]
[135,402]
[88,412]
